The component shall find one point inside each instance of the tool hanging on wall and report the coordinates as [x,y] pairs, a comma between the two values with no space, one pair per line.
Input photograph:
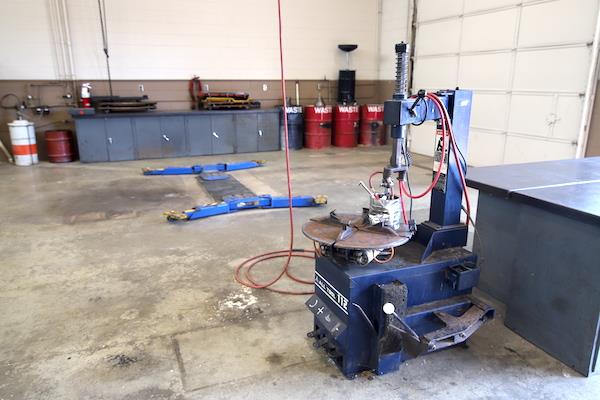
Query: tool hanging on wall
[103,29]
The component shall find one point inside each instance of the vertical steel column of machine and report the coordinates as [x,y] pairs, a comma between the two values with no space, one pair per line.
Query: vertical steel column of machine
[397,161]
[446,197]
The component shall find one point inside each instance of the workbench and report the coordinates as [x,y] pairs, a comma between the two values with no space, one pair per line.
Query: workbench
[539,225]
[161,134]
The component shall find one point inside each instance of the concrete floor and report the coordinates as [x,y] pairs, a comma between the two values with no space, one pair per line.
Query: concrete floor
[101,298]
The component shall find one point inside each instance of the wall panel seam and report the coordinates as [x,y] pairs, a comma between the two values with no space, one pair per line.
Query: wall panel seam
[506,50]
[484,11]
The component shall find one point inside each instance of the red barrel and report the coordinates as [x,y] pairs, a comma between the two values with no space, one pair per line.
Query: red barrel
[372,130]
[60,146]
[345,124]
[317,127]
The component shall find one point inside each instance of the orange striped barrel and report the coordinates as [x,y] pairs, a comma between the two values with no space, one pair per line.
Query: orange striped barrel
[22,138]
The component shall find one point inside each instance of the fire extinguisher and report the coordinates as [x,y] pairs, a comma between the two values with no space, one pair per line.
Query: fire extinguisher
[86,94]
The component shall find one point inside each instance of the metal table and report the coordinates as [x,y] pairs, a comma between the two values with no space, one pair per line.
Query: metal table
[539,225]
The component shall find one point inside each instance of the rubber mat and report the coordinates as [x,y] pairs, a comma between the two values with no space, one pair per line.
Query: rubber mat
[218,189]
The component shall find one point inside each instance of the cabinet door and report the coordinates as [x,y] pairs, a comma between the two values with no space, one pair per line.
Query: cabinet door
[268,131]
[148,137]
[246,133]
[173,136]
[91,139]
[223,134]
[199,135]
[119,136]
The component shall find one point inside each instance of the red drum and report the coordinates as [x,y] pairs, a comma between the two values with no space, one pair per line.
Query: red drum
[345,132]
[60,146]
[317,127]
[372,129]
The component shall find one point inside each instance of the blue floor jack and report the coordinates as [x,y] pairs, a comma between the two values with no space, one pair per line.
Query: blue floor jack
[199,169]
[387,290]
[235,203]
[230,195]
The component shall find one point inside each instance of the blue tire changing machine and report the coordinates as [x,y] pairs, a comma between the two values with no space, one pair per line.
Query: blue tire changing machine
[373,316]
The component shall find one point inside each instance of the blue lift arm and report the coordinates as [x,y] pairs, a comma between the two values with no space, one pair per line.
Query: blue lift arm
[232,204]
[198,169]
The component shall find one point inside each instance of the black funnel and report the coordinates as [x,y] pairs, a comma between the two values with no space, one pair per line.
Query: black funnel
[347,47]
[347,77]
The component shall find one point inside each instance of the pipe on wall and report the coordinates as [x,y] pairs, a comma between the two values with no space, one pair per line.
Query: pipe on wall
[61,31]
[66,26]
[56,39]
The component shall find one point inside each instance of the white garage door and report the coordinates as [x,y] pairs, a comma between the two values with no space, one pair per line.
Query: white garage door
[527,63]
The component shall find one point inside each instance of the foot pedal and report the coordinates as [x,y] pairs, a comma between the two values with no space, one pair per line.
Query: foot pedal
[458,329]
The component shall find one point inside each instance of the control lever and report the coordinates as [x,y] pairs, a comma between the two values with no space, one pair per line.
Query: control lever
[361,183]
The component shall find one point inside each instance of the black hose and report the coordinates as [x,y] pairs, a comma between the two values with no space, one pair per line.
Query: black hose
[102,12]
[6,96]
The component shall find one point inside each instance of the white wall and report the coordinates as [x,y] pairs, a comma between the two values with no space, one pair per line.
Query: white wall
[527,62]
[216,39]
[395,26]
[26,43]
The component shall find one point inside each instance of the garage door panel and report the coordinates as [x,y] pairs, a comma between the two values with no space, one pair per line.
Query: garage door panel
[531,114]
[527,62]
[422,138]
[554,22]
[485,71]
[485,148]
[521,149]
[478,5]
[489,31]
[439,37]
[433,9]
[489,110]
[568,114]
[562,69]
[435,72]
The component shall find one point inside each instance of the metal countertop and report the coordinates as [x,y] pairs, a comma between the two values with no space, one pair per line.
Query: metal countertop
[184,113]
[566,187]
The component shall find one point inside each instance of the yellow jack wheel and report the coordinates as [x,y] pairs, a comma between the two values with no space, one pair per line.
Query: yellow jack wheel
[321,199]
[175,215]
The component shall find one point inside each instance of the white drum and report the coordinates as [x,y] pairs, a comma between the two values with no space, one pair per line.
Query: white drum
[22,138]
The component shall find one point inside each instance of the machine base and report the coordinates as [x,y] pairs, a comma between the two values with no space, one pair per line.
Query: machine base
[433,307]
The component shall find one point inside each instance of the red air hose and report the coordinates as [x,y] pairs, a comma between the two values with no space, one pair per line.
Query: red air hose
[461,173]
[440,108]
[445,117]
[249,264]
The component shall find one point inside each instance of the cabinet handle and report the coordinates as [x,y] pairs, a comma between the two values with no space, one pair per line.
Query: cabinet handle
[259,132]
[165,137]
[109,140]
[215,135]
